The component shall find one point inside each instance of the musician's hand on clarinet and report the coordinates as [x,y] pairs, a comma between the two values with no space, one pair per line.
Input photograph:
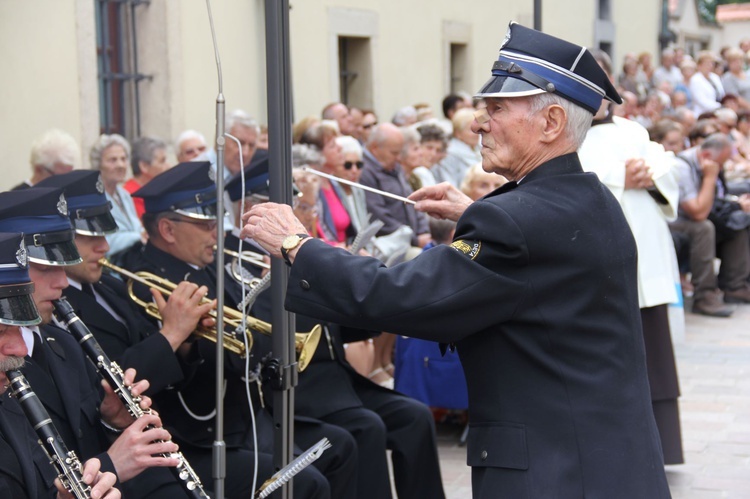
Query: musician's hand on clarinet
[138,448]
[441,201]
[182,312]
[102,483]
[113,411]
[269,224]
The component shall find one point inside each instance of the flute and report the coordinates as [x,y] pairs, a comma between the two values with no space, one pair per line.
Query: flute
[113,374]
[359,186]
[66,463]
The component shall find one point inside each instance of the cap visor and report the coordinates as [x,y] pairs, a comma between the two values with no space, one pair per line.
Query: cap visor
[19,311]
[97,225]
[507,86]
[60,253]
[207,212]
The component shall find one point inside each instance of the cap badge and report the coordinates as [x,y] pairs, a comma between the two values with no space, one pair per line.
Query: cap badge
[62,206]
[21,255]
[468,248]
[99,185]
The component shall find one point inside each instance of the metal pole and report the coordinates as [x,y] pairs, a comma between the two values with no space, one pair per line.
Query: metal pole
[219,466]
[280,152]
[538,15]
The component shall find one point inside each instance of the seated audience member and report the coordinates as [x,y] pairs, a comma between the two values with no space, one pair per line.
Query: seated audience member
[668,71]
[369,120]
[180,218]
[53,153]
[701,130]
[189,145]
[701,191]
[357,117]
[406,116]
[424,112]
[669,134]
[463,150]
[302,126]
[110,155]
[411,156]
[246,130]
[736,80]
[706,88]
[353,197]
[263,138]
[434,146]
[340,113]
[25,470]
[382,171]
[55,366]
[478,183]
[148,159]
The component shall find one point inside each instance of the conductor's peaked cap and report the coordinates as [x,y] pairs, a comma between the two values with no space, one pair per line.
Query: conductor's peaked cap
[532,62]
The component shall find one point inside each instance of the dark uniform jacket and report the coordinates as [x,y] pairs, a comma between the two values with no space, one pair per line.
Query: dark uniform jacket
[25,470]
[538,292]
[137,343]
[68,388]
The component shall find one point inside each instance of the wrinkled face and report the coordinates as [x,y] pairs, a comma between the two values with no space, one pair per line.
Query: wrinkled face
[249,142]
[12,352]
[191,149]
[49,283]
[114,165]
[305,204]
[355,164]
[193,239]
[91,249]
[505,135]
[388,152]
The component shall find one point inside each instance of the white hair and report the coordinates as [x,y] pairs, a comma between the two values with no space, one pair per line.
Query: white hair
[55,146]
[187,135]
[411,136]
[579,119]
[349,145]
[403,115]
[306,155]
[241,118]
[103,143]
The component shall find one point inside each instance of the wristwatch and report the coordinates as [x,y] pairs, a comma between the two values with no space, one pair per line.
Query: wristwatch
[289,243]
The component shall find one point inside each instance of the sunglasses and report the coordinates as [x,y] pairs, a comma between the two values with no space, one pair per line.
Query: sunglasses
[349,164]
[369,125]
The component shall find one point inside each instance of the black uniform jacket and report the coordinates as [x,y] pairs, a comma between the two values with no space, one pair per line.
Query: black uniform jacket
[25,470]
[69,390]
[538,291]
[137,343]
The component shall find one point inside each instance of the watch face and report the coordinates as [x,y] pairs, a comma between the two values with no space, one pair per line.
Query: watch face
[291,241]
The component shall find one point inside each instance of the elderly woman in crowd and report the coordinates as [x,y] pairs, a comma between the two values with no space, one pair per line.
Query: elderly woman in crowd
[411,157]
[148,159]
[463,149]
[353,198]
[478,183]
[110,155]
[335,220]
[669,134]
[736,80]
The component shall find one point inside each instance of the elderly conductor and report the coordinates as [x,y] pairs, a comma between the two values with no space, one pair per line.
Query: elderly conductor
[537,291]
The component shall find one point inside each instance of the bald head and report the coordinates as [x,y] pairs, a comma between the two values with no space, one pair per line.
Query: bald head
[385,144]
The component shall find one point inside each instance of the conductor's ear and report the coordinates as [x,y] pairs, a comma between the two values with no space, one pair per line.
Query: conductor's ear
[555,120]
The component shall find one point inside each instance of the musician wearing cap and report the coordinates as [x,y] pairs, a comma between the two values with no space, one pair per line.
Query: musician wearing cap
[25,470]
[180,218]
[55,365]
[537,292]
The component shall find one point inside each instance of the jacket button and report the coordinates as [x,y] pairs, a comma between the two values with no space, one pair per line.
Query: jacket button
[484,455]
[304,284]
[80,433]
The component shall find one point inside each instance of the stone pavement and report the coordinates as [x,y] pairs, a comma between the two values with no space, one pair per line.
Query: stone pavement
[713,361]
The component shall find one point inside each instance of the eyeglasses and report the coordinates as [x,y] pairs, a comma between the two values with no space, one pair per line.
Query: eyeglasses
[206,225]
[369,125]
[348,164]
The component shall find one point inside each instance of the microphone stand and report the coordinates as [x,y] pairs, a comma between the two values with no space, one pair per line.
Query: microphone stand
[219,465]
[280,156]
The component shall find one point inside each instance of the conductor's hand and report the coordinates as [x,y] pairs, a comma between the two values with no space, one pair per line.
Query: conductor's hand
[102,484]
[181,313]
[268,224]
[441,201]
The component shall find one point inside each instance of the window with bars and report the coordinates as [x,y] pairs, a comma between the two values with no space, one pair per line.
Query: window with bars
[117,60]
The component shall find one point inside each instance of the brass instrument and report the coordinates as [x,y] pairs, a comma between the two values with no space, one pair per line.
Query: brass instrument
[250,257]
[304,343]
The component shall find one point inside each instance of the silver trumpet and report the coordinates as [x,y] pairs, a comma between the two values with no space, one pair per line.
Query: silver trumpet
[112,373]
[66,463]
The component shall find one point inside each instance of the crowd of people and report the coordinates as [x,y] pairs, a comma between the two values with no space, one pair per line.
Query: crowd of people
[675,154]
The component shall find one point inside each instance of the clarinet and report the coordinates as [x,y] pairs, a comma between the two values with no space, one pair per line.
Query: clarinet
[65,462]
[113,374]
